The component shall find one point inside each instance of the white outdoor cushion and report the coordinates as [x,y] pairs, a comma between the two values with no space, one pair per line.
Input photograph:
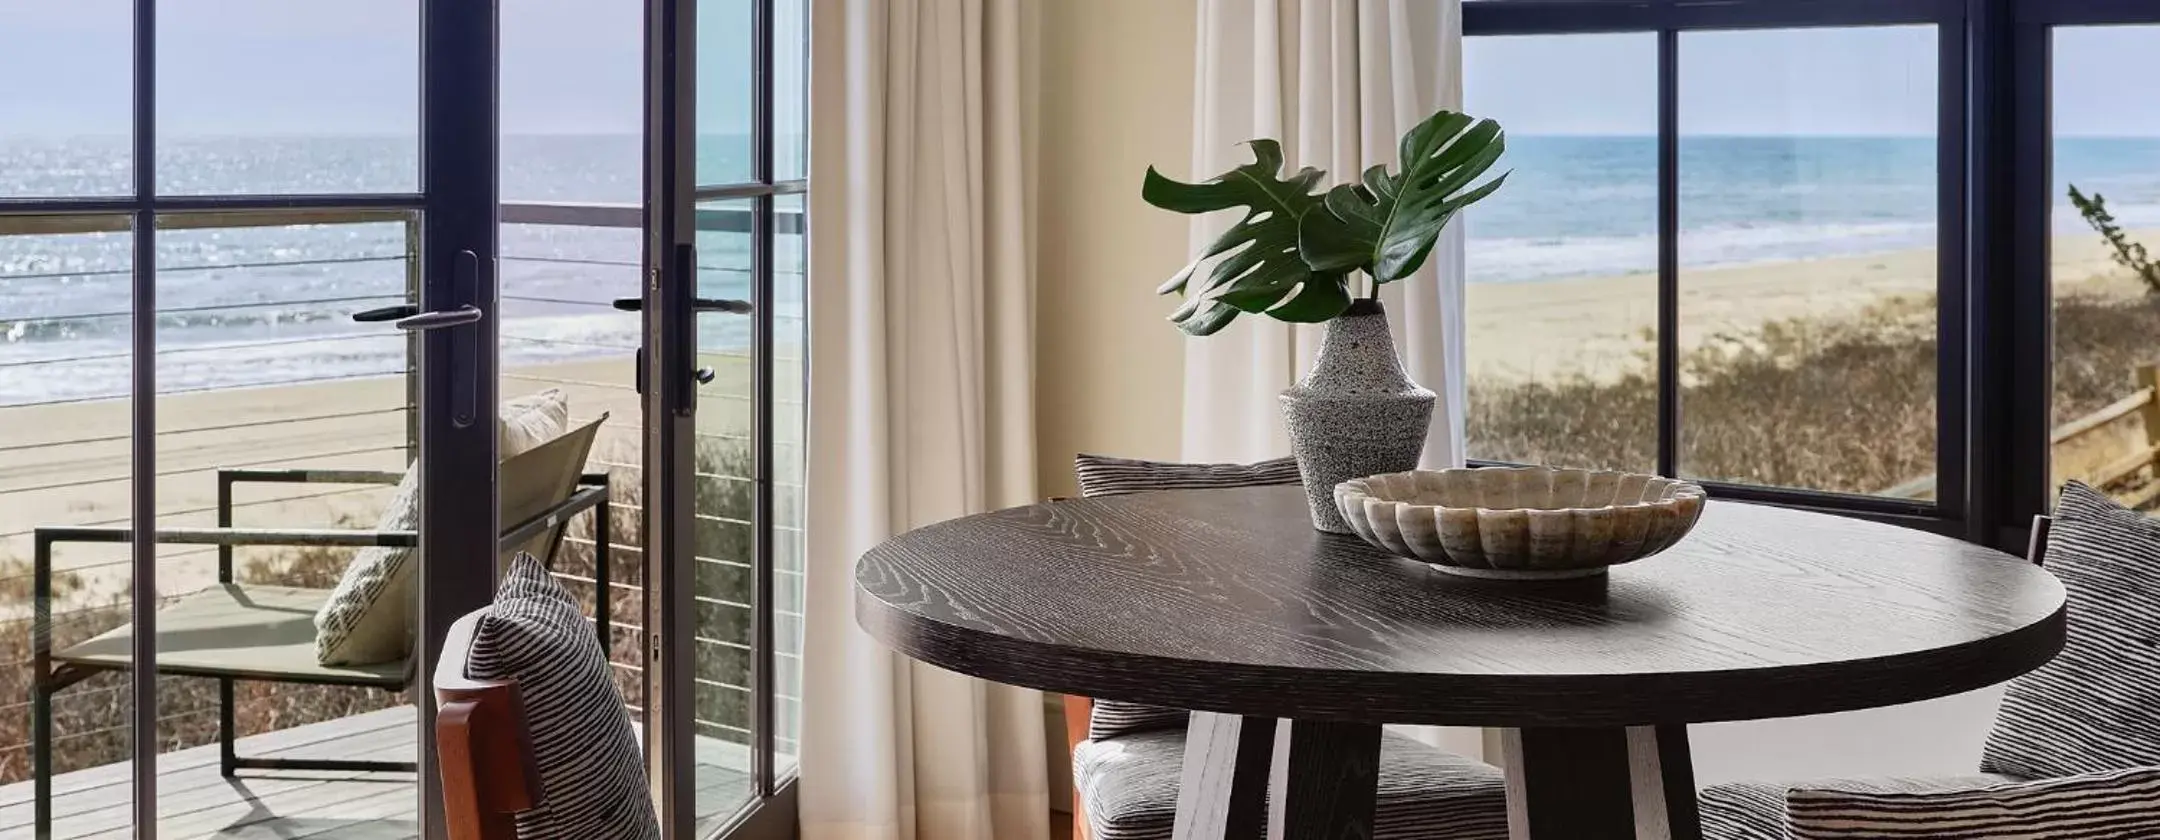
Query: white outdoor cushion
[369,617]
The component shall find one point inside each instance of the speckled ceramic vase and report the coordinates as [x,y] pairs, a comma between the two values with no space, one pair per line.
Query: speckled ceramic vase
[1356,414]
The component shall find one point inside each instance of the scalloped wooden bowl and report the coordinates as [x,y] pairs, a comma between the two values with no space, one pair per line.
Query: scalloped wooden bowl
[1521,523]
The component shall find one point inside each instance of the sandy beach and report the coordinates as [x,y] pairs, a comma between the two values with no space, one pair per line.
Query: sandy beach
[69,464]
[1603,326]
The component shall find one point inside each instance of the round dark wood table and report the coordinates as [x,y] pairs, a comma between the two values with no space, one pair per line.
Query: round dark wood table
[1228,603]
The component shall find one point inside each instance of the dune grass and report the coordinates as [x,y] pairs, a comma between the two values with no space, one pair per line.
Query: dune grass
[1844,405]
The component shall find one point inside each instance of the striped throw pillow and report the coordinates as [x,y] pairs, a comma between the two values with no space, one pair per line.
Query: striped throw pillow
[2097,705]
[1101,475]
[592,774]
[2111,805]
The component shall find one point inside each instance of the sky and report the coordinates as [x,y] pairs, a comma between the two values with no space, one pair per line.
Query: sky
[1876,81]
[573,66]
[349,67]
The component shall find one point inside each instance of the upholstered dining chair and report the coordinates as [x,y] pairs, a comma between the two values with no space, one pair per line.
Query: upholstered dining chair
[1127,757]
[2075,749]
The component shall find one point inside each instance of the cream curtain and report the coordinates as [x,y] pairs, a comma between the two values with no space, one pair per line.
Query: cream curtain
[921,403]
[1338,81]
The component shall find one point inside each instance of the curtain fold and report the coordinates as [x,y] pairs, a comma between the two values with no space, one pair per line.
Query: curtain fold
[1338,81]
[921,401]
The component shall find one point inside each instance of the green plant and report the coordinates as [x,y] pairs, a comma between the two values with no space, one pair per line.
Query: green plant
[1291,255]
[2128,254]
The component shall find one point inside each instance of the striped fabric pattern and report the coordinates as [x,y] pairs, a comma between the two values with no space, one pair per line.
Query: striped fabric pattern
[2097,705]
[592,775]
[2111,805]
[1101,475]
[1130,785]
[1756,810]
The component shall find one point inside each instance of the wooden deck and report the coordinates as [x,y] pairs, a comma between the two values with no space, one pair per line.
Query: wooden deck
[194,801]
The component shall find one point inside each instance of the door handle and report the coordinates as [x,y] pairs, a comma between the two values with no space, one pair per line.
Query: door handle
[461,348]
[727,305]
[387,313]
[467,314]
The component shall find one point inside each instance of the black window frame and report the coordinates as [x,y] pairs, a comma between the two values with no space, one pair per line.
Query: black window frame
[1994,185]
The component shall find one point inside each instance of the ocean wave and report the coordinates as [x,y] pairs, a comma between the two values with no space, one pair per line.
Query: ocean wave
[98,367]
[1521,259]
[234,322]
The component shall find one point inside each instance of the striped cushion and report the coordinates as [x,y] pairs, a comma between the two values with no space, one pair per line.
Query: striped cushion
[2097,705]
[1130,785]
[2112,805]
[1101,475]
[592,775]
[1756,810]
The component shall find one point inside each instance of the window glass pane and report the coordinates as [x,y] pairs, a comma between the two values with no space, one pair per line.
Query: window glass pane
[724,71]
[1807,249]
[559,330]
[791,89]
[791,379]
[260,367]
[2107,146]
[572,129]
[273,96]
[722,501]
[66,113]
[1562,293]
[65,462]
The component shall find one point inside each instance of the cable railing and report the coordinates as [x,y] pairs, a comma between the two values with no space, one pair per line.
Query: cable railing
[537,353]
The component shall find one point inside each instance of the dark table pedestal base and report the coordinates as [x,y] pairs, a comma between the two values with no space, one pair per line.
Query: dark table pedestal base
[1636,783]
[1246,778]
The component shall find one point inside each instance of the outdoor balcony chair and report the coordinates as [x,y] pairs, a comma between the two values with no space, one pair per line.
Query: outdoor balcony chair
[244,631]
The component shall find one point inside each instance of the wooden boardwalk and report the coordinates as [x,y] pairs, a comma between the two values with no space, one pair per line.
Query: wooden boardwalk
[194,801]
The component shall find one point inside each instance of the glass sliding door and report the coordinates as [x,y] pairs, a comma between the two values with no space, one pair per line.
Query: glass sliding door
[725,339]
[199,442]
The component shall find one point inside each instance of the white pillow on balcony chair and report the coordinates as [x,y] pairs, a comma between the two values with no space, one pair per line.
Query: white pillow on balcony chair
[369,616]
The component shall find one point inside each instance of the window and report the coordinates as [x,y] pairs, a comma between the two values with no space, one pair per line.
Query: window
[1846,284]
[2106,298]
[1807,255]
[1562,292]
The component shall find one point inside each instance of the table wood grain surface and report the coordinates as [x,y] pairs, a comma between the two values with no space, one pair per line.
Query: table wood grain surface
[1229,601]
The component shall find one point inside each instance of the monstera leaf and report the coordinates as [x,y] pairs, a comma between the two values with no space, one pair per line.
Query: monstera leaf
[1386,225]
[1261,270]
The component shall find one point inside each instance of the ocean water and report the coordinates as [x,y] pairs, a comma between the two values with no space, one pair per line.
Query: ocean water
[252,307]
[268,306]
[1587,206]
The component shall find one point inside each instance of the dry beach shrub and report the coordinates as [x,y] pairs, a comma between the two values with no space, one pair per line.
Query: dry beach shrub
[1828,404]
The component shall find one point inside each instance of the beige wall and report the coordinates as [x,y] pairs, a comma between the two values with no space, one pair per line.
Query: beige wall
[1116,96]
